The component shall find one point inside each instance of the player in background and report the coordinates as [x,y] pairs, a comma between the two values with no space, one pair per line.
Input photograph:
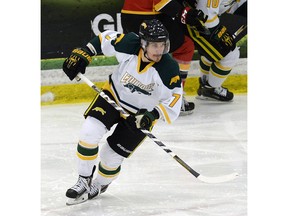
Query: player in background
[218,50]
[146,84]
[174,17]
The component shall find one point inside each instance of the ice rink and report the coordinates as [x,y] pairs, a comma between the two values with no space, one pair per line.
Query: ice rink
[213,141]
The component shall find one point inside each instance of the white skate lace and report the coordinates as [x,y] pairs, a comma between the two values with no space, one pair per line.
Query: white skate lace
[95,188]
[81,184]
[221,91]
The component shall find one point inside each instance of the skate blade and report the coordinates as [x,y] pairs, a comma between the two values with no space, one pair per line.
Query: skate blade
[81,199]
[211,99]
[185,113]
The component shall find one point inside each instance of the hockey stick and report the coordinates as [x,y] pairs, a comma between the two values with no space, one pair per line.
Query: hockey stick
[202,178]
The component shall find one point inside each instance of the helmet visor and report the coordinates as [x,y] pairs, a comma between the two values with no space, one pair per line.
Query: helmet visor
[162,47]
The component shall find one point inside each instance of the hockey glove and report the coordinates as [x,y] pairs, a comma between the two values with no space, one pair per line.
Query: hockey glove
[194,17]
[144,118]
[76,62]
[221,36]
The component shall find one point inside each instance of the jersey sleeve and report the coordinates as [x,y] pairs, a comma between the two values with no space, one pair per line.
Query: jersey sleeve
[169,108]
[101,44]
[112,43]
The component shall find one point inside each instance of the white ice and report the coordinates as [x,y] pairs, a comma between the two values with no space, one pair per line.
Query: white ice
[213,141]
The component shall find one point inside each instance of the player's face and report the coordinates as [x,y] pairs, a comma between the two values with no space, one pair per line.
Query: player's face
[155,50]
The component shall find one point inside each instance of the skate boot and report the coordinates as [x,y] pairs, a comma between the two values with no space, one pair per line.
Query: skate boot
[186,107]
[79,192]
[96,189]
[207,92]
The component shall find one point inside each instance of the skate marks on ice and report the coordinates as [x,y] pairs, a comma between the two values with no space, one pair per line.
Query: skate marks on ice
[211,141]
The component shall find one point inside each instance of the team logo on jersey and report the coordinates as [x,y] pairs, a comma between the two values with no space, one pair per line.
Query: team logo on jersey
[174,79]
[135,85]
[134,88]
[99,109]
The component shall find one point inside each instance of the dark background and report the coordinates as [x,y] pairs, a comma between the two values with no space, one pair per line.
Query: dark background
[66,24]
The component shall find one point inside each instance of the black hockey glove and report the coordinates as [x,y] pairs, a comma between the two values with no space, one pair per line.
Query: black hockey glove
[222,37]
[143,119]
[194,17]
[76,62]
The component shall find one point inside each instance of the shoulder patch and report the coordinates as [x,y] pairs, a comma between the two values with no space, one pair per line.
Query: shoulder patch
[174,79]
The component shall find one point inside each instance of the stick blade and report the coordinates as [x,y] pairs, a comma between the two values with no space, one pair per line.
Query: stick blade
[218,179]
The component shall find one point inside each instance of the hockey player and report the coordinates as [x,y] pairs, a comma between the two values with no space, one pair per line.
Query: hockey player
[174,16]
[218,50]
[146,84]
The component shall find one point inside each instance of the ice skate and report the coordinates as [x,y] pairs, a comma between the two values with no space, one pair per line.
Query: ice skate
[187,107]
[79,192]
[207,92]
[96,189]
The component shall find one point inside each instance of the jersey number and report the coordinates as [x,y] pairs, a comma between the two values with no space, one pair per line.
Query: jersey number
[176,98]
[215,3]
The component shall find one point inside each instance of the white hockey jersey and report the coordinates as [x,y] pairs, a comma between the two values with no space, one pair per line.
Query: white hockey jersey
[157,85]
[214,8]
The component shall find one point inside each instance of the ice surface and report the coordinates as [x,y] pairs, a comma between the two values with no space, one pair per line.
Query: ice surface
[213,141]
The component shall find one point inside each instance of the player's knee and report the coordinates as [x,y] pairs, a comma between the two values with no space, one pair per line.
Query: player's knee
[92,130]
[109,157]
[231,58]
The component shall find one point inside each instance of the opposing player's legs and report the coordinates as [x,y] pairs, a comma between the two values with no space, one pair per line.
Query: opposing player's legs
[213,74]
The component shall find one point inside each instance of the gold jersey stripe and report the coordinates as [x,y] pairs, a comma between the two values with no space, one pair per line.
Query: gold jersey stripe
[218,75]
[221,67]
[213,19]
[139,63]
[165,113]
[213,53]
[91,104]
[203,59]
[140,12]
[119,38]
[161,4]
[204,71]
